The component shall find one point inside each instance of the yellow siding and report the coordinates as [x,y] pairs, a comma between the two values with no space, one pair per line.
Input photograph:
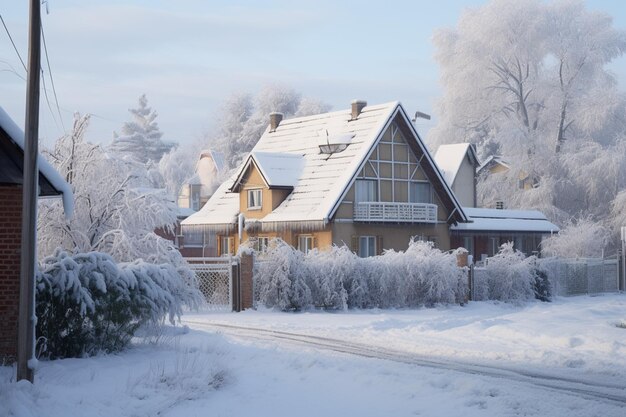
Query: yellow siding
[270,199]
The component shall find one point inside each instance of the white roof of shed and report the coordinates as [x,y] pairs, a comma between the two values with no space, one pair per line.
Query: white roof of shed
[449,159]
[484,219]
[47,170]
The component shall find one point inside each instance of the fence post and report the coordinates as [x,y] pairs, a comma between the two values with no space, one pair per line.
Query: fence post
[246,270]
[621,273]
[461,262]
[235,293]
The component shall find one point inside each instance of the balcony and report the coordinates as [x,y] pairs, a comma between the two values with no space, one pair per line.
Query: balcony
[374,211]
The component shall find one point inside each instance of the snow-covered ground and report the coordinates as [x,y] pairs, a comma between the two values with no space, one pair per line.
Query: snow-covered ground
[234,371]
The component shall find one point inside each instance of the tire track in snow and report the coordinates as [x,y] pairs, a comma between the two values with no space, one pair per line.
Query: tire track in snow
[613,393]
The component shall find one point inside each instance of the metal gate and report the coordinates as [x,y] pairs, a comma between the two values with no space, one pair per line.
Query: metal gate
[215,281]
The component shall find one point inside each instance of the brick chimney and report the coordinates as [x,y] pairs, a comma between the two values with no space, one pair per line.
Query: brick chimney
[275,119]
[357,107]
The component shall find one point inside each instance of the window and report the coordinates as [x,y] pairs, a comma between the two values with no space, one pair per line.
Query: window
[192,237]
[420,192]
[227,245]
[255,199]
[367,246]
[183,196]
[260,244]
[195,200]
[305,243]
[494,245]
[365,190]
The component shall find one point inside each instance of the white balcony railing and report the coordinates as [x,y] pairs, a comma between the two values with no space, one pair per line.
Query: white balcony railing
[374,211]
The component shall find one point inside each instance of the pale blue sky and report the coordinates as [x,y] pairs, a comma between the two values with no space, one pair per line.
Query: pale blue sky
[188,55]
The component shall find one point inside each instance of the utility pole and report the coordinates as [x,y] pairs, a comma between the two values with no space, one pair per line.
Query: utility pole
[30,186]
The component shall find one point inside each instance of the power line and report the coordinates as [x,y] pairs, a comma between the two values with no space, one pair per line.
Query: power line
[45,90]
[54,90]
[45,93]
[13,43]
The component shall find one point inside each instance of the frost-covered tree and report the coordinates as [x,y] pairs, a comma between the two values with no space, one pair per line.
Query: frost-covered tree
[116,208]
[140,138]
[528,80]
[177,166]
[243,118]
[581,239]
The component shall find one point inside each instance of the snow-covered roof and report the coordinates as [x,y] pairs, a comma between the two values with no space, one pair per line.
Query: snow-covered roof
[217,211]
[449,159]
[290,156]
[47,170]
[218,158]
[278,169]
[194,180]
[184,212]
[484,219]
[493,159]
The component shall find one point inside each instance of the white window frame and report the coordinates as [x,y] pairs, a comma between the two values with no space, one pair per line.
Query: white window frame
[261,244]
[305,243]
[195,200]
[258,202]
[225,248]
[367,246]
[358,198]
[494,245]
[412,197]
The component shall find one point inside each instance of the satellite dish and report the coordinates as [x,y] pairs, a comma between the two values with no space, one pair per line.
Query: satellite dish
[335,143]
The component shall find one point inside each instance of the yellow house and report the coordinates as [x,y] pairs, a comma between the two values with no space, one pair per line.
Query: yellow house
[360,177]
[496,165]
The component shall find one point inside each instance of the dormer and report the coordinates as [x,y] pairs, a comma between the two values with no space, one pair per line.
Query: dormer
[265,180]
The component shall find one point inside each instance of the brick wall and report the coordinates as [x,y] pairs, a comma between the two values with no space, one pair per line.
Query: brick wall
[10,243]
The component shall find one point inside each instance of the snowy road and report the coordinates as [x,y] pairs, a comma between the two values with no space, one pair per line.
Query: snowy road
[604,389]
[560,359]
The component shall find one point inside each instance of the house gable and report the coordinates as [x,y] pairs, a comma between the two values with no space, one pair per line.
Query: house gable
[398,142]
[253,180]
[393,166]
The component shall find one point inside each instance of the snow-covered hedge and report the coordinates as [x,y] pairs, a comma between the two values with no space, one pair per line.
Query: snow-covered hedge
[338,279]
[511,276]
[87,303]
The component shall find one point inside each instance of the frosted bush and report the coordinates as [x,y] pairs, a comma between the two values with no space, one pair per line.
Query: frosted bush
[337,278]
[282,284]
[86,303]
[329,273]
[510,275]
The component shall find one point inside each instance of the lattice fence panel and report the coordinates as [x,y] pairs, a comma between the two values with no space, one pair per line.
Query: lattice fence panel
[214,284]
